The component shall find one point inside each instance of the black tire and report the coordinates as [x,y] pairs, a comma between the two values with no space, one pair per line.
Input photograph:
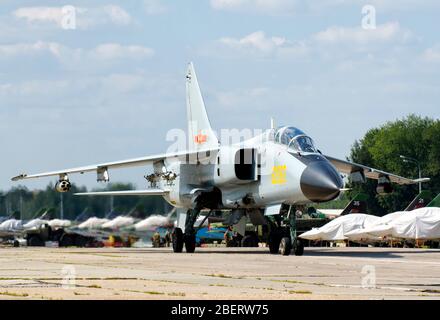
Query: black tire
[66,240]
[80,241]
[177,240]
[274,243]
[249,242]
[35,241]
[299,248]
[190,243]
[285,246]
[16,243]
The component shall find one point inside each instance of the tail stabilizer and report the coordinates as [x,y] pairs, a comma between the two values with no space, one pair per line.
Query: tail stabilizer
[200,133]
[420,201]
[435,202]
[357,205]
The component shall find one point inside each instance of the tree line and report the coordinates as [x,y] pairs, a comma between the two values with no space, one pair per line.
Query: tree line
[23,203]
[413,136]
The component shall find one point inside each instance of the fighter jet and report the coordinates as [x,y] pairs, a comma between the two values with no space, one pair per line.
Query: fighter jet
[264,177]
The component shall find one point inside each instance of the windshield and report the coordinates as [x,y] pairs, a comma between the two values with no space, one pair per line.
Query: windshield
[302,143]
[295,139]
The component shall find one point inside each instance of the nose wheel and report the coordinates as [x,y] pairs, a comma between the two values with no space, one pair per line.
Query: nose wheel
[283,237]
[298,249]
[285,246]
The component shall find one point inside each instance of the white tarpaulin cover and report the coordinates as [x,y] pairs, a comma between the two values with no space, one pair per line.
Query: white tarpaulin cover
[93,223]
[337,228]
[423,223]
[34,223]
[118,222]
[58,223]
[11,224]
[151,223]
[381,225]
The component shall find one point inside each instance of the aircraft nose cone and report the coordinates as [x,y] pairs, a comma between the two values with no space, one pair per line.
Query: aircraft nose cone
[321,182]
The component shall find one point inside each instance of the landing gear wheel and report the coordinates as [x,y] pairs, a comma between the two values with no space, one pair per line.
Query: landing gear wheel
[177,240]
[285,246]
[80,241]
[274,243]
[299,248]
[35,241]
[249,241]
[66,240]
[190,243]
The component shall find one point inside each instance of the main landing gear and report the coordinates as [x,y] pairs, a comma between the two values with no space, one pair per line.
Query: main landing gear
[187,238]
[283,237]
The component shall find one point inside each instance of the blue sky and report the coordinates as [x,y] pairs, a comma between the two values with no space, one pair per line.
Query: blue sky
[112,87]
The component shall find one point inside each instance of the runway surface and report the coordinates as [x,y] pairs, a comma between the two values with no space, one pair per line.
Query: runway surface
[218,273]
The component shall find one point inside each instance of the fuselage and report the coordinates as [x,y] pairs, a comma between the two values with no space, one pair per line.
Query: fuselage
[279,166]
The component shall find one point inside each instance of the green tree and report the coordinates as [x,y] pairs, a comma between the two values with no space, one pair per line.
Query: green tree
[381,147]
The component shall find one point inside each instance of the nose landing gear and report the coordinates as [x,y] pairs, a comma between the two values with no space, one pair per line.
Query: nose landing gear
[283,238]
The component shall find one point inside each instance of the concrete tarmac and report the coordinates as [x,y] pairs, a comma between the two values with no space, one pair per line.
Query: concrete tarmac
[218,273]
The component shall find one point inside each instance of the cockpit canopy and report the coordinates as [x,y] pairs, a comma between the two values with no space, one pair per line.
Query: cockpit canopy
[295,139]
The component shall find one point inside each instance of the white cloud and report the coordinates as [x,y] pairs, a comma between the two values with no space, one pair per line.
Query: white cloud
[9,50]
[116,51]
[394,6]
[32,14]
[432,54]
[106,51]
[153,7]
[332,43]
[117,15]
[271,7]
[289,7]
[85,17]
[258,44]
[256,40]
[383,33]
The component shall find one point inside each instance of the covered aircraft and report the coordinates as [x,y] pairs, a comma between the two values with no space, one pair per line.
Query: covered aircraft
[338,228]
[419,224]
[281,167]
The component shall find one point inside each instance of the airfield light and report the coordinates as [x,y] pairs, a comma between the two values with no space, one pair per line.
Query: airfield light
[409,159]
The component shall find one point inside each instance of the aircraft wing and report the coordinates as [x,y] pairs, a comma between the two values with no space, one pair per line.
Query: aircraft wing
[371,173]
[147,192]
[103,167]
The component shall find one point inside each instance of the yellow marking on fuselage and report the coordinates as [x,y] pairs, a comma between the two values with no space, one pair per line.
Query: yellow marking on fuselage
[279,174]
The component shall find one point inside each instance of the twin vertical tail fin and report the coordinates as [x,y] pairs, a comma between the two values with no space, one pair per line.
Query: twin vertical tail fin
[200,133]
[357,205]
[420,201]
[435,202]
